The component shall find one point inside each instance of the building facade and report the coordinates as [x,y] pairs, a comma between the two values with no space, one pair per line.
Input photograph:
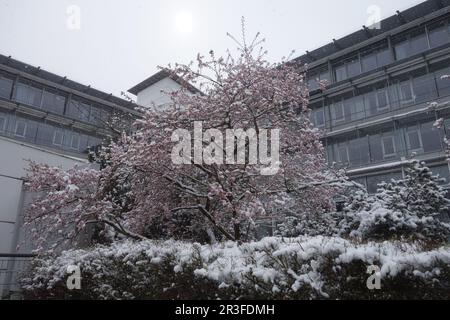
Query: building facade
[385,90]
[48,119]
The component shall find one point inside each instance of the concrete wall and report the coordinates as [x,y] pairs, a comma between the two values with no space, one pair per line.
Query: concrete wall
[153,95]
[13,162]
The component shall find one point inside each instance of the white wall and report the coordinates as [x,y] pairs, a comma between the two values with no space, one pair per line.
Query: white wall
[153,95]
[13,162]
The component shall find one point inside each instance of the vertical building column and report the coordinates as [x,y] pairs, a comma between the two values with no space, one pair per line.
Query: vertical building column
[391,48]
[16,80]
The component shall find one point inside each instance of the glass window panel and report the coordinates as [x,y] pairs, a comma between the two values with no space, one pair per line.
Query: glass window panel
[21,128]
[413,140]
[384,57]
[341,73]
[418,44]
[405,91]
[371,102]
[78,110]
[358,151]
[369,62]
[439,35]
[31,131]
[388,147]
[382,100]
[424,89]
[58,138]
[5,87]
[312,84]
[353,68]
[53,102]
[402,50]
[376,150]
[324,75]
[338,111]
[75,141]
[319,117]
[431,138]
[343,154]
[358,107]
[45,134]
[28,95]
[83,143]
[443,83]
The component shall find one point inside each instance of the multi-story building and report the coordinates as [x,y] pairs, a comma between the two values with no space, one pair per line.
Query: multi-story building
[386,89]
[48,119]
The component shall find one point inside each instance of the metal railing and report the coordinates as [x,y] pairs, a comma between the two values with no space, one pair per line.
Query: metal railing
[11,267]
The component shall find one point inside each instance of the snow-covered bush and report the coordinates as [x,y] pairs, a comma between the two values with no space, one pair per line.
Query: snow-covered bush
[273,268]
[413,207]
[304,224]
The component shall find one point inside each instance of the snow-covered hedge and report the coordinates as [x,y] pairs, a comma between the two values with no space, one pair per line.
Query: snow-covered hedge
[273,268]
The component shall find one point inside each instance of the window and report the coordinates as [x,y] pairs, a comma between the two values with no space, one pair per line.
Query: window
[342,154]
[348,69]
[28,95]
[375,59]
[324,75]
[75,141]
[319,117]
[402,50]
[58,138]
[413,140]
[411,44]
[376,149]
[388,144]
[313,84]
[53,102]
[406,92]
[353,68]
[371,103]
[356,105]
[78,110]
[382,100]
[369,62]
[418,43]
[5,87]
[443,83]
[384,57]
[424,88]
[341,73]
[358,151]
[431,137]
[21,128]
[439,34]
[313,79]
[338,110]
[2,123]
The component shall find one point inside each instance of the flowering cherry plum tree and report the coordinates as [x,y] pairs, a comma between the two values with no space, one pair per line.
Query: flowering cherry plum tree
[141,187]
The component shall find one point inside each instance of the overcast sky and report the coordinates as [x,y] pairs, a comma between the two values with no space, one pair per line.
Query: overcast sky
[114,44]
